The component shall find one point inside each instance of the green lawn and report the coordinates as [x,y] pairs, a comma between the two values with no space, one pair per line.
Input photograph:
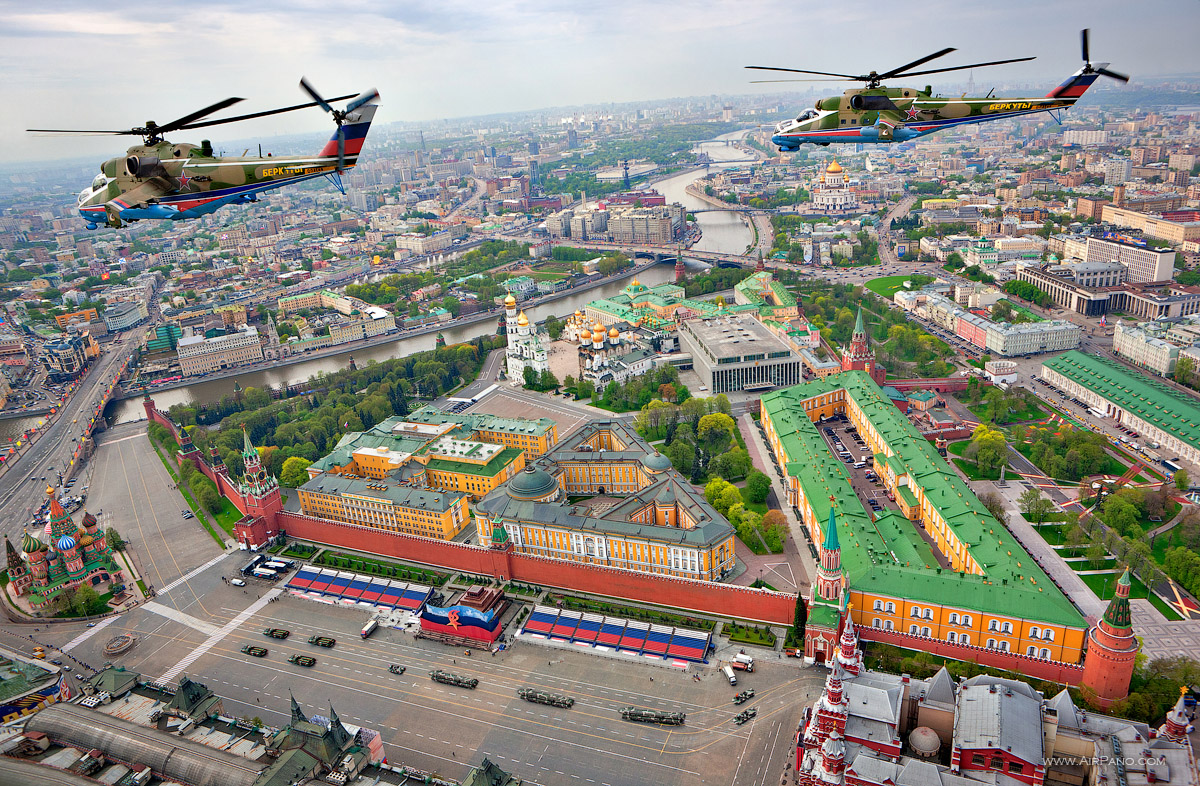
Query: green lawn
[228,516]
[1104,590]
[380,567]
[969,469]
[199,512]
[886,286]
[1054,534]
[1033,413]
[1032,317]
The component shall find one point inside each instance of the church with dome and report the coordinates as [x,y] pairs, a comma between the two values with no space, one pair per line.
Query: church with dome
[604,496]
[832,193]
[525,347]
[63,557]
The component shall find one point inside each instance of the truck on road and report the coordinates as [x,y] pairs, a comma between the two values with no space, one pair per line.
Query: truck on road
[277,633]
[303,660]
[322,641]
[457,680]
[742,662]
[369,628]
[728,672]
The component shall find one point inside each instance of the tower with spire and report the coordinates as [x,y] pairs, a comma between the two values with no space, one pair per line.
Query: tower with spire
[525,348]
[261,499]
[1112,650]
[829,572]
[826,602]
[679,271]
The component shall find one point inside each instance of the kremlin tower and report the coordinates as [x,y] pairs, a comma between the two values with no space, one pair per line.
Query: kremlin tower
[857,356]
[827,603]
[1112,650]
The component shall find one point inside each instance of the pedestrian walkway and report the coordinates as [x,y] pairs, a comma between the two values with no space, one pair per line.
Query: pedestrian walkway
[804,565]
[206,628]
[170,674]
[87,634]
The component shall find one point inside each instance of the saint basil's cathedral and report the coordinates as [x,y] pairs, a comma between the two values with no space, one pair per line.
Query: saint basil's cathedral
[66,556]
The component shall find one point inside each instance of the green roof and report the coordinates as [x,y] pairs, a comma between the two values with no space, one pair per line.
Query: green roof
[489,470]
[823,614]
[1177,415]
[888,556]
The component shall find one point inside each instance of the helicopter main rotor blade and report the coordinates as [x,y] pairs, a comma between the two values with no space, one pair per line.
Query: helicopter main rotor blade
[321,102]
[915,63]
[972,65]
[1112,74]
[253,115]
[798,71]
[1083,44]
[773,81]
[363,98]
[183,121]
[78,131]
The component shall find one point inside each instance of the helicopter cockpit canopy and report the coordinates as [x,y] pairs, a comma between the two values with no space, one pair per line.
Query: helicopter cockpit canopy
[99,183]
[807,114]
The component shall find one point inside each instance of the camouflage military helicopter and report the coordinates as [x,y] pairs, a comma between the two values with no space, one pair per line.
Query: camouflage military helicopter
[162,180]
[875,113]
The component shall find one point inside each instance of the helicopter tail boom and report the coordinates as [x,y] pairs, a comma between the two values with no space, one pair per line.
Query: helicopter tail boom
[1075,86]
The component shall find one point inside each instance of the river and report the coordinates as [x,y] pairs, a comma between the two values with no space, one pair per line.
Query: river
[724,232]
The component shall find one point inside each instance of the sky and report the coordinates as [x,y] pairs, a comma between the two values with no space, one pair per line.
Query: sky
[74,64]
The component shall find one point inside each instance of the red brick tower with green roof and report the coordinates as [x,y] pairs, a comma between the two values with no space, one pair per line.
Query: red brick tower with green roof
[1112,650]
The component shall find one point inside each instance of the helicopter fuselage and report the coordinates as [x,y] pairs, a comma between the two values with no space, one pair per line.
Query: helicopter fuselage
[898,114]
[198,182]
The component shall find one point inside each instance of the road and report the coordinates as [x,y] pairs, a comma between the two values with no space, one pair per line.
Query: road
[49,456]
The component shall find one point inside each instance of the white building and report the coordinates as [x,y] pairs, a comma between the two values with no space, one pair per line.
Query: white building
[1117,171]
[832,193]
[200,355]
[525,347]
[124,315]
[1144,263]
[1146,345]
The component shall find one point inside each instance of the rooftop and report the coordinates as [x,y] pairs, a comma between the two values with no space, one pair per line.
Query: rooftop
[736,337]
[383,491]
[1150,400]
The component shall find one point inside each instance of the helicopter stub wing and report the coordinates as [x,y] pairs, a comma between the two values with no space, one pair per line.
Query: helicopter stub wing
[139,196]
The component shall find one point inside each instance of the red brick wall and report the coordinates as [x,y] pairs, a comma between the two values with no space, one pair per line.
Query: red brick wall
[224,485]
[776,608]
[1070,674]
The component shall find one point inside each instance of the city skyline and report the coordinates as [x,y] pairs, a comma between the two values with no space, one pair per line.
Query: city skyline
[115,69]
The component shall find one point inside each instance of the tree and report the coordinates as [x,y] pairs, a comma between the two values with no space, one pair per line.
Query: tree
[1181,480]
[988,447]
[715,432]
[547,380]
[452,304]
[585,389]
[115,541]
[1034,506]
[1120,513]
[1185,371]
[995,505]
[682,456]
[208,497]
[733,464]
[85,600]
[730,495]
[667,392]
[530,378]
[295,472]
[758,486]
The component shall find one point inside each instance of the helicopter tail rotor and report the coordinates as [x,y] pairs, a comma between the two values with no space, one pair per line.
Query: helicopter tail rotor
[1099,68]
[357,114]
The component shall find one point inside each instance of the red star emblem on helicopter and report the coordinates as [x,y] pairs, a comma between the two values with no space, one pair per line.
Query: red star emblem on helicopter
[183,181]
[453,619]
[912,113]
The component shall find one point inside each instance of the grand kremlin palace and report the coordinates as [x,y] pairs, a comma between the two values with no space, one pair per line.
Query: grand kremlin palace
[605,497]
[978,589]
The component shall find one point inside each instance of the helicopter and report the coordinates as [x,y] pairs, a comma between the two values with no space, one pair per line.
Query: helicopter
[875,113]
[159,179]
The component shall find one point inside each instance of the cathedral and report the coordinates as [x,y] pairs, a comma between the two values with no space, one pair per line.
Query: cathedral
[832,193]
[66,556]
[525,347]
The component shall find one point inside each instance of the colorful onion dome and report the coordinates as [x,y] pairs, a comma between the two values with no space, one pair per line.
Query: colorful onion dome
[30,544]
[66,543]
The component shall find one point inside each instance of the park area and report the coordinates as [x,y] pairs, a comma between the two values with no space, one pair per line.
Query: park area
[887,286]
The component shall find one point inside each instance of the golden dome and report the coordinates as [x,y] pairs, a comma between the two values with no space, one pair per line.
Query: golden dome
[510,301]
[522,320]
[636,283]
[614,333]
[834,167]
[578,313]
[598,327]
[585,337]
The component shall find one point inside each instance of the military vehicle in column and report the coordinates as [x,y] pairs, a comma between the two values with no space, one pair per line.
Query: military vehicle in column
[322,641]
[543,697]
[276,633]
[744,696]
[653,716]
[457,680]
[257,652]
[744,716]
